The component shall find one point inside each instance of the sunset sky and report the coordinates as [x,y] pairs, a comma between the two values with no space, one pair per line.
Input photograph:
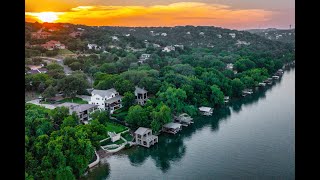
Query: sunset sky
[234,14]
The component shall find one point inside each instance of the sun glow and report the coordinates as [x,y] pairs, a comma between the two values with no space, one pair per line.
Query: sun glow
[46,16]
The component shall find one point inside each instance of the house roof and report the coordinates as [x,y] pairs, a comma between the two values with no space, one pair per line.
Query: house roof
[206,109]
[114,99]
[33,71]
[140,91]
[104,93]
[141,130]
[43,69]
[172,125]
[74,107]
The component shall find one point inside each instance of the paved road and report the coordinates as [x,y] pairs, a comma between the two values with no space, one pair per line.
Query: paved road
[66,69]
[36,102]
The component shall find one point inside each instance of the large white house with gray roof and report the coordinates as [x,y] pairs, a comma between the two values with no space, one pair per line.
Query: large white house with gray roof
[106,99]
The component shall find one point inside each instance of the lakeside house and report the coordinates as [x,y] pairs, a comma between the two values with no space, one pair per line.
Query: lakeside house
[206,111]
[144,137]
[82,110]
[262,84]
[226,99]
[144,57]
[51,45]
[184,119]
[247,92]
[141,95]
[171,128]
[106,99]
[275,77]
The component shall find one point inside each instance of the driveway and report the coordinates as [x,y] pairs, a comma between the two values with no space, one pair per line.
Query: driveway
[36,102]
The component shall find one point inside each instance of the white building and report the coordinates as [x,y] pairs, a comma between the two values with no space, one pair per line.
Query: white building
[163,34]
[233,35]
[106,99]
[188,33]
[141,96]
[93,46]
[168,49]
[115,38]
[219,36]
[201,33]
[127,35]
[144,57]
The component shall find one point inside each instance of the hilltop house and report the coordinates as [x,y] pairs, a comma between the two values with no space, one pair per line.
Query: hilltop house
[94,46]
[144,137]
[144,57]
[50,45]
[106,99]
[82,110]
[141,95]
[168,49]
[40,35]
[229,66]
[75,34]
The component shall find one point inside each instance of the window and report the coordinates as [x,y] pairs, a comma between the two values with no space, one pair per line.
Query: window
[102,104]
[97,98]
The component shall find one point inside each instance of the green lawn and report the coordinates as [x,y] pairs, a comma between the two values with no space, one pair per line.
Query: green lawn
[74,100]
[64,51]
[127,136]
[109,142]
[120,114]
[113,127]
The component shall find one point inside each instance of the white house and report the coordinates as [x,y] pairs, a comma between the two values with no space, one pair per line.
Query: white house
[168,49]
[163,34]
[201,33]
[144,57]
[115,38]
[233,35]
[93,46]
[106,99]
[219,36]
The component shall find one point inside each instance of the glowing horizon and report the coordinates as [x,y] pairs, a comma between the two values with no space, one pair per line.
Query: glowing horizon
[174,14]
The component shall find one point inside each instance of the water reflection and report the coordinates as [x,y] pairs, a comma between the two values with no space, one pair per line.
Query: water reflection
[172,148]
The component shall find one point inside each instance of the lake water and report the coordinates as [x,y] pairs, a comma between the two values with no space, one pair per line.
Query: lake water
[253,138]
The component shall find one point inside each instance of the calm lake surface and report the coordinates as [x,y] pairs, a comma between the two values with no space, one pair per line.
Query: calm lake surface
[253,138]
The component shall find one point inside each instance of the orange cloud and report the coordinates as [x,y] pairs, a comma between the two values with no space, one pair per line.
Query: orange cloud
[183,13]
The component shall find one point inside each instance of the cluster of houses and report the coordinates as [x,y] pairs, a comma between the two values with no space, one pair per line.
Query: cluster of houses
[51,45]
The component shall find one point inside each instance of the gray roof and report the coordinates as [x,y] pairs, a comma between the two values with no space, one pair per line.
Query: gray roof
[74,107]
[172,125]
[104,93]
[141,130]
[140,91]
[114,99]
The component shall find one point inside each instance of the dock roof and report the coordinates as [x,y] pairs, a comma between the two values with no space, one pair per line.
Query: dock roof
[206,109]
[172,125]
